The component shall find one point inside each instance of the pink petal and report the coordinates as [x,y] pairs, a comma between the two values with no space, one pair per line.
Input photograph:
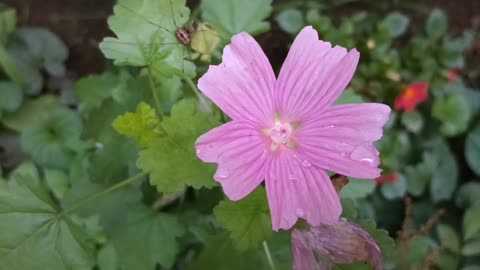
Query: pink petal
[240,151]
[313,75]
[341,139]
[323,246]
[296,189]
[242,85]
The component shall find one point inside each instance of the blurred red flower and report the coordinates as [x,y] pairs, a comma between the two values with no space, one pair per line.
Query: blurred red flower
[387,178]
[413,94]
[453,74]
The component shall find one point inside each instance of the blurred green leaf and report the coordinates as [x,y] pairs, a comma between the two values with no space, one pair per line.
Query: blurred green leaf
[146,37]
[448,237]
[357,188]
[471,222]
[141,125]
[107,258]
[418,249]
[248,220]
[348,97]
[146,238]
[472,149]
[381,237]
[454,113]
[468,194]
[93,90]
[8,22]
[171,160]
[418,178]
[36,228]
[413,121]
[232,17]
[396,23]
[290,20]
[395,190]
[40,48]
[57,181]
[11,96]
[31,111]
[437,24]
[471,248]
[52,142]
[445,173]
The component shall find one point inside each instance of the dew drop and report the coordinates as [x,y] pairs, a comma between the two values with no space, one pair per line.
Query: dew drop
[365,154]
[222,173]
[343,154]
[306,164]
[300,213]
[292,176]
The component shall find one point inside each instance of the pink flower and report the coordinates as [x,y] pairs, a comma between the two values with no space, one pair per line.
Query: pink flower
[324,246]
[287,130]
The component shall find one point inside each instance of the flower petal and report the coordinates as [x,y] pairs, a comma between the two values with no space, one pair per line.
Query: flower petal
[242,85]
[296,189]
[240,151]
[341,140]
[313,75]
[323,246]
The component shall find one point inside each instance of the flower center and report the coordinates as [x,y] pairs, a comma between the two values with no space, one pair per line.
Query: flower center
[280,133]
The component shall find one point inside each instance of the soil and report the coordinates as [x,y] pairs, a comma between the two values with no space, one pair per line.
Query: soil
[83,23]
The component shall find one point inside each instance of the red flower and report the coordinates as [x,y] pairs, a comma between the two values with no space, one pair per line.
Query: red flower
[414,93]
[453,74]
[387,178]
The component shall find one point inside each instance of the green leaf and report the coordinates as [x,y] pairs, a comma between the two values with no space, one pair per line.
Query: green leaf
[146,238]
[395,190]
[348,97]
[93,90]
[39,236]
[51,143]
[232,17]
[42,48]
[357,188]
[145,31]
[471,248]
[140,125]
[448,237]
[31,111]
[107,258]
[396,23]
[171,160]
[413,121]
[57,182]
[445,173]
[454,113]
[418,248]
[472,149]
[8,21]
[471,222]
[468,194]
[437,24]
[248,220]
[290,20]
[417,178]
[11,96]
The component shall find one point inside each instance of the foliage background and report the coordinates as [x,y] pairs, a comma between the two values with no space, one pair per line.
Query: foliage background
[64,205]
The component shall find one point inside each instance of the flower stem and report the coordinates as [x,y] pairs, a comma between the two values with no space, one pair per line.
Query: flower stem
[192,86]
[102,193]
[268,255]
[154,92]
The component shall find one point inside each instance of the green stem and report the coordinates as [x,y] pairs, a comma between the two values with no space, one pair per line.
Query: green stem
[102,193]
[268,255]
[154,92]
[194,88]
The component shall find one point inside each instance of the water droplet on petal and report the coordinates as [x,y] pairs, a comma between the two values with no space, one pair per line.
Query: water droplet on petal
[300,213]
[343,154]
[306,164]
[366,154]
[222,173]
[198,151]
[292,176]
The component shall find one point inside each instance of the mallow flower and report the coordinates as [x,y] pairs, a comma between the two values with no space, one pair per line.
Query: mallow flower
[287,130]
